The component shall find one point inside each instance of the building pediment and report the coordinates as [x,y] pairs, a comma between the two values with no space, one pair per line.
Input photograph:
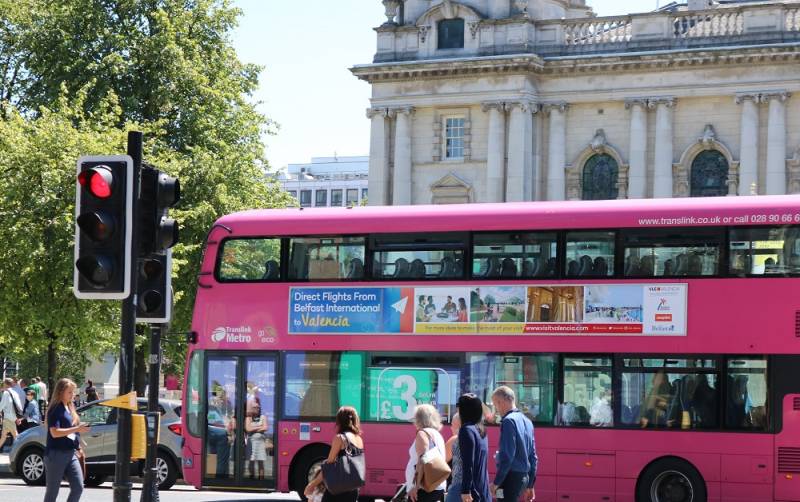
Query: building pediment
[448,10]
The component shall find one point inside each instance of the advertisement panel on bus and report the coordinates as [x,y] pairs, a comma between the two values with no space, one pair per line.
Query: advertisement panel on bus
[595,309]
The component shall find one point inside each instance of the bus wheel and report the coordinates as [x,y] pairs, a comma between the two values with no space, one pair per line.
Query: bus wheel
[306,466]
[670,480]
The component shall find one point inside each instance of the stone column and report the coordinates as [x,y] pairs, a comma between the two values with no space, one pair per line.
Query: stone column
[496,154]
[557,151]
[776,142]
[378,158]
[637,170]
[662,181]
[748,140]
[401,186]
[520,152]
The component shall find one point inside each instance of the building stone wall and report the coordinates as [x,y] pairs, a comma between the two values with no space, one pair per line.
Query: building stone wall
[650,90]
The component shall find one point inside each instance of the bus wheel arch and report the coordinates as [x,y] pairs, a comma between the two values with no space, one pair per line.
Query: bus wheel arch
[303,462]
[670,479]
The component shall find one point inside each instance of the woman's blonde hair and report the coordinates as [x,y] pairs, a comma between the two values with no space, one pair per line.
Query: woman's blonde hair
[426,416]
[61,388]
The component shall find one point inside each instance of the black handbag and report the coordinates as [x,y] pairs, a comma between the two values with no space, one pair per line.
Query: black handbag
[348,472]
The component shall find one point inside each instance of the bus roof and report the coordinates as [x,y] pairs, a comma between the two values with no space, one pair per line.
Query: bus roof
[630,213]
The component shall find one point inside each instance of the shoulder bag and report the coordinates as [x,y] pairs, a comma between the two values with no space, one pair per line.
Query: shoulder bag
[348,472]
[434,467]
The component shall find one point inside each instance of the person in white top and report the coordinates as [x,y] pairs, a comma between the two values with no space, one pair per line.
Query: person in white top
[9,404]
[428,423]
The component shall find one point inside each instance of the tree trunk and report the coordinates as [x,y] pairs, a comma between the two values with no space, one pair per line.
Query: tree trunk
[51,361]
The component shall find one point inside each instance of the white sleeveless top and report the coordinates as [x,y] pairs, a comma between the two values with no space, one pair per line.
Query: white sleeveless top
[411,467]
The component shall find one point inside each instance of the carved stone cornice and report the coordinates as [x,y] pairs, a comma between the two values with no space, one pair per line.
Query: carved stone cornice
[780,96]
[631,102]
[401,110]
[561,106]
[720,57]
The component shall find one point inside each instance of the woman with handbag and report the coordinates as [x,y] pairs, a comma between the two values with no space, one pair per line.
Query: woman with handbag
[474,450]
[61,455]
[427,448]
[346,442]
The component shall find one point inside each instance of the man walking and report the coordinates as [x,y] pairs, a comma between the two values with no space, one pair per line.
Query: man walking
[8,407]
[516,458]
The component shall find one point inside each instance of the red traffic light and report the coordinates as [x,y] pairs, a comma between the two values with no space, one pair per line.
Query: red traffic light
[99,180]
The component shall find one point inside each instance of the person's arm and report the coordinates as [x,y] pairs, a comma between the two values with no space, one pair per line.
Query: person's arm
[506,451]
[59,432]
[420,446]
[448,449]
[466,443]
[248,425]
[264,424]
[533,461]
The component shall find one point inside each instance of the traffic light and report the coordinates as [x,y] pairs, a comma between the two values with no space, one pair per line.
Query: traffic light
[154,288]
[159,192]
[103,227]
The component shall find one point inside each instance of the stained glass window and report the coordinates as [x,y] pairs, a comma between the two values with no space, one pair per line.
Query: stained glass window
[709,175]
[600,174]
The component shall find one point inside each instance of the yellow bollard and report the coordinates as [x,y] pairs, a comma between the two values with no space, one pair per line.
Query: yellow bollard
[138,436]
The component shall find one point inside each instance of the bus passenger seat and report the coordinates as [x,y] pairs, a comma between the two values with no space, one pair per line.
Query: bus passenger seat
[695,264]
[400,269]
[448,268]
[551,267]
[648,266]
[681,264]
[586,267]
[271,270]
[632,266]
[668,268]
[509,269]
[417,269]
[769,266]
[600,266]
[494,268]
[529,267]
[572,268]
[356,269]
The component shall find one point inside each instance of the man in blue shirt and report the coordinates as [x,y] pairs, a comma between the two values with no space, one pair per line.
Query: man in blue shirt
[516,458]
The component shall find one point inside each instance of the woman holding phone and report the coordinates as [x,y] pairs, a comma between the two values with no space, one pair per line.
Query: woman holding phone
[63,442]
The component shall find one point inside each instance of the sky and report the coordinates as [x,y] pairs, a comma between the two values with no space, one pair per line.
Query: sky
[306,48]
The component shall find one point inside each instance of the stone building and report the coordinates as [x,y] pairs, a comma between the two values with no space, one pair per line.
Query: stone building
[514,100]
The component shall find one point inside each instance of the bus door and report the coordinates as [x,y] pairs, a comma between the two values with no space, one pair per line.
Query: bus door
[239,442]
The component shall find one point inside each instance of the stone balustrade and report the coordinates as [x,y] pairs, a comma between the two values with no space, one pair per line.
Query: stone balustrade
[753,24]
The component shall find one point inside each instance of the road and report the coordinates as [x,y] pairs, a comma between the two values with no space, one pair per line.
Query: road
[13,489]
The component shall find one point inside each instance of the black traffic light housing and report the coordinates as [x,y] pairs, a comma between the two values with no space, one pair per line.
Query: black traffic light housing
[154,288]
[103,227]
[159,192]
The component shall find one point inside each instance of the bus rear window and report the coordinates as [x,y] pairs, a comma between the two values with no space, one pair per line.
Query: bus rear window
[765,251]
[250,260]
[326,258]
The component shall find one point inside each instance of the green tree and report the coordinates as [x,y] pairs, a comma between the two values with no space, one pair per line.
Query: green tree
[166,65]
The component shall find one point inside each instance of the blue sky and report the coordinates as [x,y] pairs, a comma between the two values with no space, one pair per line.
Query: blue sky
[306,48]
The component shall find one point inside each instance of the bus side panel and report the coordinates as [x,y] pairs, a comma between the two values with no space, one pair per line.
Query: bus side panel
[787,449]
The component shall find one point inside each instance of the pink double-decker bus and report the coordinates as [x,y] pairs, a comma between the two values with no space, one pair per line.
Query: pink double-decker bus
[655,344]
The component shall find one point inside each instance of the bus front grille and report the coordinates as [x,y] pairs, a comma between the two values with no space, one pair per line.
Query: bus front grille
[789,460]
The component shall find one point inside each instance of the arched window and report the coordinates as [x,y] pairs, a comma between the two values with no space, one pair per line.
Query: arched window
[451,33]
[709,176]
[600,177]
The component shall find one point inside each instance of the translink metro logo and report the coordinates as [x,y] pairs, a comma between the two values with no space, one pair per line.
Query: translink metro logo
[230,334]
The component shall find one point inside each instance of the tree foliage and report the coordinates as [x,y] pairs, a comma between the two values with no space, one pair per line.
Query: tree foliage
[74,77]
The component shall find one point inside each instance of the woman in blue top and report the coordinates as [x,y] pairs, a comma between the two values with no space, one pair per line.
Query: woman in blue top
[474,450]
[63,439]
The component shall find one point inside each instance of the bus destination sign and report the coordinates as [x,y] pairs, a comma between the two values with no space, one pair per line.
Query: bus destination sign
[558,309]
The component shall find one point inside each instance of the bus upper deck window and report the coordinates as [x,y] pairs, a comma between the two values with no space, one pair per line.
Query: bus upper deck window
[590,254]
[250,259]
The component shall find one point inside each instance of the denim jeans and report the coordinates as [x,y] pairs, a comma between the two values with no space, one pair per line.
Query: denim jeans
[513,486]
[60,463]
[453,493]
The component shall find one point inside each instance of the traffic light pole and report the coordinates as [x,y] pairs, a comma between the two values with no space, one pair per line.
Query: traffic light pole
[122,476]
[150,485]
